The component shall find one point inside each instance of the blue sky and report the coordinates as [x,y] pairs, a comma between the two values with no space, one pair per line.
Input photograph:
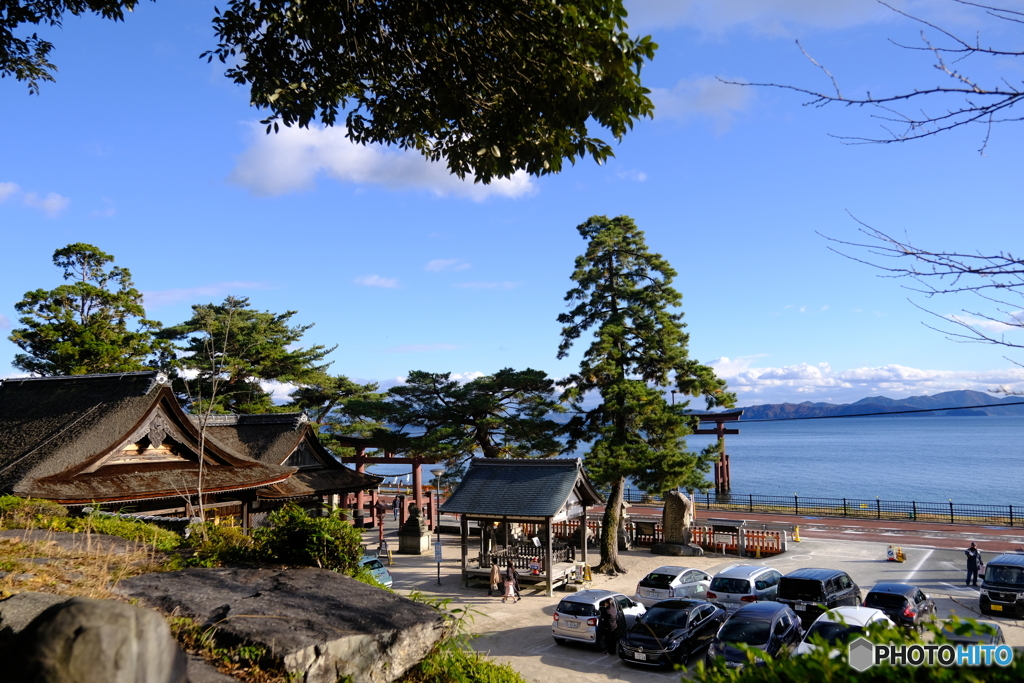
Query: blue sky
[151,154]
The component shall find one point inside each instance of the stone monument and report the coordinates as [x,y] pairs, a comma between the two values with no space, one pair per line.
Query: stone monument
[413,538]
[625,543]
[676,519]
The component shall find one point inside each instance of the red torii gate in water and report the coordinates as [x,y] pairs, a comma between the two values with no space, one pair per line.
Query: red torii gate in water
[723,482]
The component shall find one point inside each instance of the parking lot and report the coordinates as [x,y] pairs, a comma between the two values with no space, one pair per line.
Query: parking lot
[520,633]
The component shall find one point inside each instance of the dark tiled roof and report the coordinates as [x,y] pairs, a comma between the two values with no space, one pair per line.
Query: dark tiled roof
[520,488]
[53,430]
[320,482]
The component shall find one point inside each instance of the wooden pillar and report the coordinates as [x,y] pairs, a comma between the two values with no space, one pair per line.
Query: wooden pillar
[358,514]
[245,517]
[465,550]
[504,523]
[549,556]
[583,535]
[417,484]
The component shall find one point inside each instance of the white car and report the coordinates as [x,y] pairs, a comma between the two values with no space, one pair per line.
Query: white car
[576,616]
[839,625]
[672,582]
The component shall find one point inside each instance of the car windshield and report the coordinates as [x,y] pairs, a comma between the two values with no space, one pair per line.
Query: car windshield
[656,579]
[833,632]
[885,601]
[800,589]
[722,584]
[577,609]
[1010,576]
[745,631]
[661,616]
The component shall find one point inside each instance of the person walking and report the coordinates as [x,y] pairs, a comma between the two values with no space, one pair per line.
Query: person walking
[495,586]
[394,507]
[974,564]
[511,583]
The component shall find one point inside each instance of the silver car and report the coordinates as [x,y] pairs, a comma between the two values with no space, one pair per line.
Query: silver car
[672,582]
[739,584]
[576,616]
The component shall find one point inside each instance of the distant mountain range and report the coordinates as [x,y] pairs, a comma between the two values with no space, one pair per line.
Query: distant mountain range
[938,404]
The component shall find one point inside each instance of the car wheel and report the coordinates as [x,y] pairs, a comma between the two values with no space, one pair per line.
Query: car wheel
[559,641]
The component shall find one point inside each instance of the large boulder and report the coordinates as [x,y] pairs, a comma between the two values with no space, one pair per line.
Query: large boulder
[319,626]
[20,610]
[83,641]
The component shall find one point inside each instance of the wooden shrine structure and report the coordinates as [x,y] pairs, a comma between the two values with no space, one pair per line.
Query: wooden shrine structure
[723,482]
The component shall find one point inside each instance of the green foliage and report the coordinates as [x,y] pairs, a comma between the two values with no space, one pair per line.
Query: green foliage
[819,666]
[95,324]
[232,348]
[28,59]
[213,545]
[21,513]
[624,296]
[326,399]
[504,415]
[292,536]
[510,86]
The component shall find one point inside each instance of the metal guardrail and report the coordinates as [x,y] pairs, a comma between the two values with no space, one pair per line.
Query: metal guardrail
[876,508]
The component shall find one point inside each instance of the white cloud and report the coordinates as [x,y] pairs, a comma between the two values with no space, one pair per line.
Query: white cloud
[280,392]
[377,281]
[441,264]
[775,17]
[5,324]
[420,348]
[109,210]
[52,204]
[702,98]
[820,382]
[291,160]
[487,285]
[1014,321]
[8,190]
[165,297]
[633,174]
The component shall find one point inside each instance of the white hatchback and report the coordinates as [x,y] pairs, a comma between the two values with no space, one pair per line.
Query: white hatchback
[576,616]
[672,582]
[840,625]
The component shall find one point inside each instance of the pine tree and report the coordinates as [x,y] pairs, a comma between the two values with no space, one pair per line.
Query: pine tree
[94,324]
[624,295]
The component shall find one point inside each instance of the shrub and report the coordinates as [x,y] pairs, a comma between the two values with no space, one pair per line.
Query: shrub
[123,527]
[292,536]
[215,544]
[18,513]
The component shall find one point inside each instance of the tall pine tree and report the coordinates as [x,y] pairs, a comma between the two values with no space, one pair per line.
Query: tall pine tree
[624,297]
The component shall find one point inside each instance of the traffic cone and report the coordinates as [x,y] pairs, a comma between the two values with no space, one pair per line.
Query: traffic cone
[900,557]
[796,535]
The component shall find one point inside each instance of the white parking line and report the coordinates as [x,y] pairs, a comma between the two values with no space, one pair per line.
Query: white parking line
[919,565]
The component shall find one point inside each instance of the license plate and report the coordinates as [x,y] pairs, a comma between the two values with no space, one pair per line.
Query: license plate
[572,624]
[800,608]
[997,608]
[640,656]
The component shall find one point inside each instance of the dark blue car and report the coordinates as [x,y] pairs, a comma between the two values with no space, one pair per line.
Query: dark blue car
[770,627]
[670,632]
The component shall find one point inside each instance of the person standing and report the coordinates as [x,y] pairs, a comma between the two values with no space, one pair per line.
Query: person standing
[495,585]
[974,564]
[511,583]
[394,507]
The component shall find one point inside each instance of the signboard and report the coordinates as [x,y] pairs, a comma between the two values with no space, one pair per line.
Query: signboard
[437,552]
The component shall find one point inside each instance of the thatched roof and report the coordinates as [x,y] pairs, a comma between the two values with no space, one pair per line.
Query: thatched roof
[278,438]
[119,437]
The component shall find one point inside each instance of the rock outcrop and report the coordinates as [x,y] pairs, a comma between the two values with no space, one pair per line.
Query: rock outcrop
[318,625]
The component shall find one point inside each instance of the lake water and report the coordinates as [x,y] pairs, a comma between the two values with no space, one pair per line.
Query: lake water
[976,460]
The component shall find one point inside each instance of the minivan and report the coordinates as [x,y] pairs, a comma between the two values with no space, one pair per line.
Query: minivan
[1002,588]
[811,592]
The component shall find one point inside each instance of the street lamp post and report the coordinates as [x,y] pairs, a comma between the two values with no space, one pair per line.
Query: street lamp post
[438,473]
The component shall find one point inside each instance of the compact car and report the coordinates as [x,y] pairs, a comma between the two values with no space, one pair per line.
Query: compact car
[575,618]
[977,633]
[839,626]
[377,569]
[739,584]
[1002,587]
[906,605]
[672,582]
[770,627]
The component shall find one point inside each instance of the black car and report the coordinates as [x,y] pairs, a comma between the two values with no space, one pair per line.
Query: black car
[811,592]
[768,626]
[976,633]
[1002,587]
[670,632]
[906,605]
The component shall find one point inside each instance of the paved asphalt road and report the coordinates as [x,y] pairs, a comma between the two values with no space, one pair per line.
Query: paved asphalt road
[520,634]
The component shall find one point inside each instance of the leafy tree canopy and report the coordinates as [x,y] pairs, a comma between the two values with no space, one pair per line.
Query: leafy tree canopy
[491,88]
[94,324]
[504,415]
[624,296]
[226,350]
[326,399]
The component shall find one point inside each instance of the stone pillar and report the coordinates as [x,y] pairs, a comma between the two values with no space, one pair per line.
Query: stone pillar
[413,538]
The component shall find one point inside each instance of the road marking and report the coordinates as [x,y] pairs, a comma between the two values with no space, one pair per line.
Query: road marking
[919,565]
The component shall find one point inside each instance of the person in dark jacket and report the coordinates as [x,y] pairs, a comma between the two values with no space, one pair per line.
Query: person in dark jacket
[974,564]
[615,627]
